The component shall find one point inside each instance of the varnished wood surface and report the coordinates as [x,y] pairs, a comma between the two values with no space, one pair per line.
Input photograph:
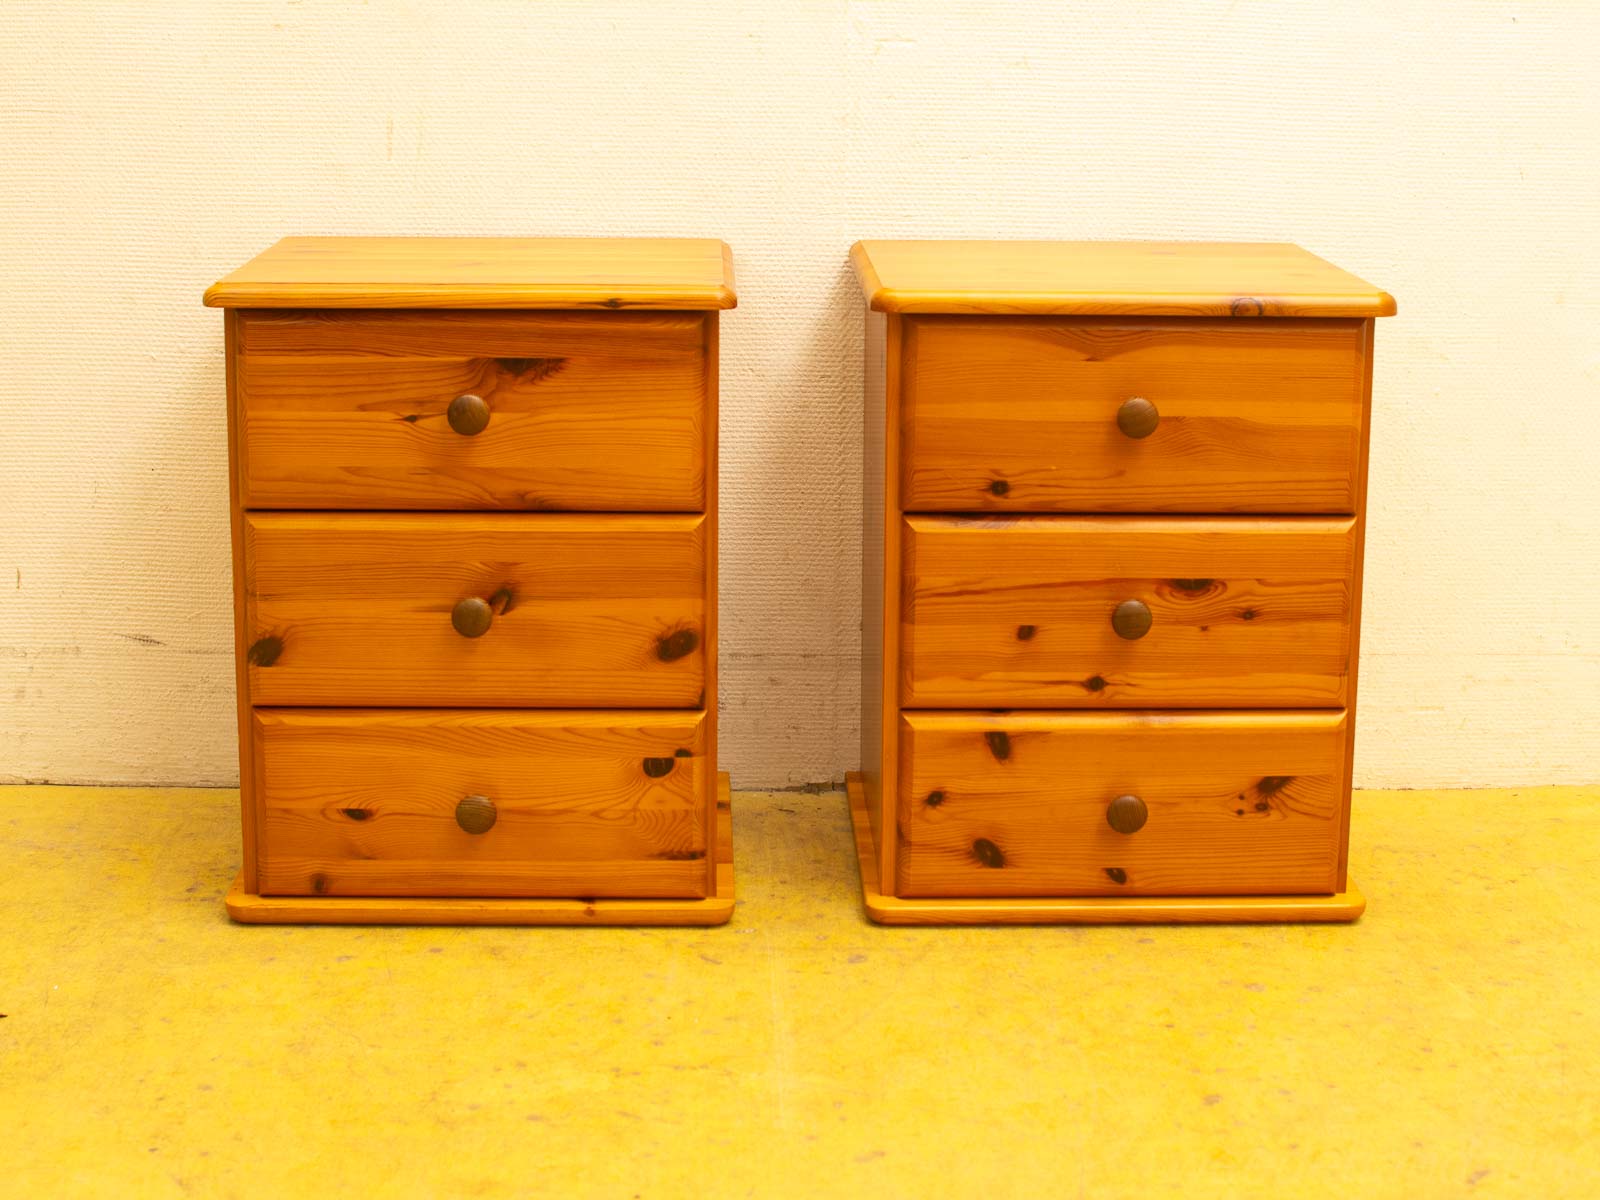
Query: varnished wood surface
[886,909]
[478,272]
[363,802]
[1221,279]
[1019,414]
[1016,804]
[241,629]
[336,403]
[1248,612]
[711,358]
[1356,587]
[880,587]
[1008,399]
[601,610]
[588,411]
[250,908]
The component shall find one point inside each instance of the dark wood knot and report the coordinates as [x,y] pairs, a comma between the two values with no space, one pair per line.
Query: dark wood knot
[530,370]
[988,853]
[677,644]
[264,651]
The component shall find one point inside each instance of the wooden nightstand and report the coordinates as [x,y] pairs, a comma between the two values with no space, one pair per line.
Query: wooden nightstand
[474,488]
[1112,581]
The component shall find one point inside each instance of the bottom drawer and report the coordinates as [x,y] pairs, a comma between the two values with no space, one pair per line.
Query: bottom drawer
[363,802]
[1217,803]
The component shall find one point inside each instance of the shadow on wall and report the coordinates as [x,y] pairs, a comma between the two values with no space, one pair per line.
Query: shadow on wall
[790,621]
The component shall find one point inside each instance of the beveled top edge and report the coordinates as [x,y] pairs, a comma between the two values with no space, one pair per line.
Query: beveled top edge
[1213,279]
[492,272]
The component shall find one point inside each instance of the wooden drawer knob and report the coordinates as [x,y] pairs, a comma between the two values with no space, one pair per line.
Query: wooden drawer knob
[1137,417]
[469,414]
[472,617]
[476,814]
[1127,814]
[1131,619]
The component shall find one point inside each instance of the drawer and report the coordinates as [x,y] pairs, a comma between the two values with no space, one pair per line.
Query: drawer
[1021,414]
[553,610]
[480,803]
[586,411]
[1024,612]
[1017,804]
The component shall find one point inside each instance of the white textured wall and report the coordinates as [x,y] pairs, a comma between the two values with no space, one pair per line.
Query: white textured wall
[1447,151]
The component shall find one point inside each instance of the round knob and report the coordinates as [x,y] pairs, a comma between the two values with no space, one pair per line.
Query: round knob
[1137,417]
[476,814]
[1131,619]
[1127,814]
[472,617]
[469,414]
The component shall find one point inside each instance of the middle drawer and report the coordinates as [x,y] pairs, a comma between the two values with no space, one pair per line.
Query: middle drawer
[447,609]
[1126,612]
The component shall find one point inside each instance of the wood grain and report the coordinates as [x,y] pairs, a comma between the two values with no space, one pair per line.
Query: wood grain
[886,909]
[880,587]
[1051,378]
[715,909]
[1248,612]
[241,629]
[588,411]
[1357,584]
[599,610]
[476,272]
[359,802]
[1019,414]
[711,359]
[1015,804]
[1206,279]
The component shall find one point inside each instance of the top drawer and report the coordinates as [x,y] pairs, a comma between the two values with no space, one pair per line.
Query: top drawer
[1021,414]
[585,411]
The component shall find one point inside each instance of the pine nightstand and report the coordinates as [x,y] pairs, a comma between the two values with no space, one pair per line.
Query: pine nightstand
[475,540]
[1112,581]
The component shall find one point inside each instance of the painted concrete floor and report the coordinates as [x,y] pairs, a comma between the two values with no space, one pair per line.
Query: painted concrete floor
[1448,1045]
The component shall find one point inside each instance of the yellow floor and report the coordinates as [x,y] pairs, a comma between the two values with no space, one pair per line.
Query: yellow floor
[1447,1045]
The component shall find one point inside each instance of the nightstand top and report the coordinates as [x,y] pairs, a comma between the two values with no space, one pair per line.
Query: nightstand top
[1241,279]
[482,272]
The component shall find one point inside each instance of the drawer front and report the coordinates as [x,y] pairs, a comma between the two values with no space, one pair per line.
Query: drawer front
[480,803]
[1244,612]
[1022,415]
[586,411]
[553,610]
[1017,805]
